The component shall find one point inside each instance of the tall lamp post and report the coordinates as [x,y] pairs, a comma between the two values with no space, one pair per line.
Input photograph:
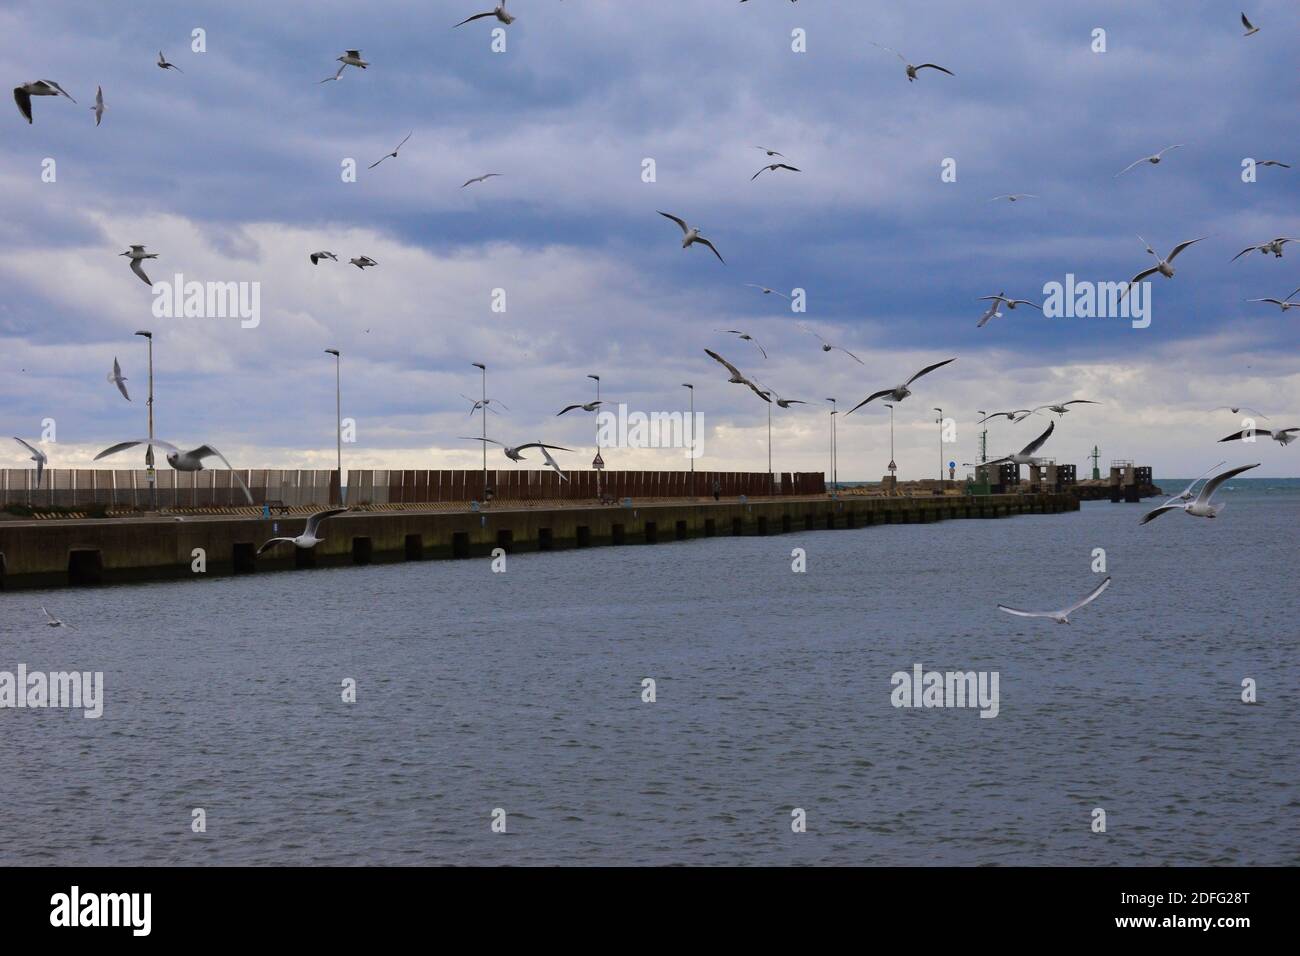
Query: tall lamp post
[483,407]
[148,454]
[597,379]
[940,421]
[835,473]
[338,415]
[694,437]
[893,468]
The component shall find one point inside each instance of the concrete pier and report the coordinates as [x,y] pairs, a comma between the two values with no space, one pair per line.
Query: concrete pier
[52,553]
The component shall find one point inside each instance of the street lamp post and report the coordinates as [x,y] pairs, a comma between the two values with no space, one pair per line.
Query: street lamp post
[694,438]
[148,454]
[940,421]
[338,415]
[483,408]
[835,473]
[893,468]
[597,379]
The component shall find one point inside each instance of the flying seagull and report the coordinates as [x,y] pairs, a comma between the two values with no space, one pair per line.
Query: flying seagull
[1272,162]
[1026,455]
[998,300]
[23,95]
[773,167]
[745,337]
[1275,247]
[316,257]
[117,379]
[309,537]
[349,58]
[180,460]
[1200,507]
[478,179]
[900,392]
[136,255]
[1062,616]
[1016,415]
[484,403]
[737,376]
[38,456]
[827,346]
[552,463]
[1153,159]
[1237,409]
[692,236]
[513,453]
[770,152]
[1163,266]
[52,621]
[585,406]
[1014,197]
[1283,304]
[783,402]
[1063,407]
[164,65]
[1186,494]
[911,70]
[1283,436]
[393,154]
[765,290]
[363,262]
[499,13]
[1251,29]
[98,108]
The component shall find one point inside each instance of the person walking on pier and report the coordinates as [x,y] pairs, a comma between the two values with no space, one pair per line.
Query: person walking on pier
[717,490]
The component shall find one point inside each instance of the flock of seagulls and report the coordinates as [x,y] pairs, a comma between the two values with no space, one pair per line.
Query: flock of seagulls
[1189,501]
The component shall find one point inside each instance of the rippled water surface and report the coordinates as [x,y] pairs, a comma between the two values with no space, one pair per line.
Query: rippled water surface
[522,691]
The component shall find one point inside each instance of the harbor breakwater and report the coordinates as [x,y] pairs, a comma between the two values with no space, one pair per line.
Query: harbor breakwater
[53,553]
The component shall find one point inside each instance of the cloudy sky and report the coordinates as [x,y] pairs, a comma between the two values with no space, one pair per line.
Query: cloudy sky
[231,172]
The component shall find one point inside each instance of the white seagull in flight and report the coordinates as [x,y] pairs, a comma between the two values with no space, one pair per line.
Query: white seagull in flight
[1275,247]
[737,376]
[1186,494]
[38,456]
[1153,159]
[363,262]
[478,179]
[118,379]
[1014,197]
[1062,616]
[773,167]
[1283,436]
[911,70]
[513,452]
[1237,409]
[745,337]
[349,58]
[585,406]
[765,290]
[499,12]
[1200,507]
[1283,304]
[136,254]
[52,621]
[164,65]
[180,460]
[23,95]
[309,537]
[1163,266]
[393,154]
[98,108]
[1026,455]
[827,346]
[316,257]
[692,236]
[900,392]
[1064,407]
[1251,29]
